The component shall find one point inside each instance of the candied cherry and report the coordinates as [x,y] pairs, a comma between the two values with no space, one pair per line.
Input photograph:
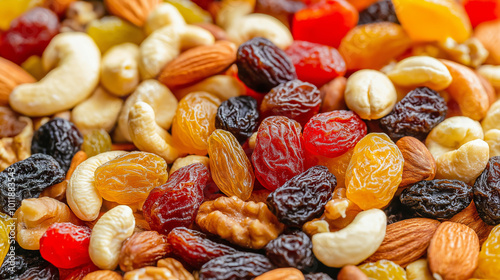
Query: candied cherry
[482,10]
[66,245]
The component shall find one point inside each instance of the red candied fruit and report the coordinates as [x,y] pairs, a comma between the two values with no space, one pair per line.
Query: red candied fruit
[334,133]
[66,245]
[480,11]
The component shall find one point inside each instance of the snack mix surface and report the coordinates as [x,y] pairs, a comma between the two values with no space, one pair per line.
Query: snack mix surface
[250,139]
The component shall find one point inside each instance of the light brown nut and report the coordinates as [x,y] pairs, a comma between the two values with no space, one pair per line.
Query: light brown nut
[418,270]
[103,275]
[351,272]
[217,32]
[248,224]
[490,73]
[164,14]
[419,163]
[142,249]
[176,268]
[467,90]
[333,95]
[470,218]
[120,69]
[469,53]
[492,137]
[150,273]
[453,252]
[405,241]
[135,11]
[252,141]
[14,149]
[36,215]
[492,118]
[11,75]
[185,161]
[286,273]
[198,63]
[490,90]
[421,71]
[222,86]
[57,6]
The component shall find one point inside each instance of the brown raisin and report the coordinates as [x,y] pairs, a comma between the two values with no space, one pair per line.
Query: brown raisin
[238,115]
[291,250]
[239,266]
[380,11]
[487,192]
[317,276]
[10,125]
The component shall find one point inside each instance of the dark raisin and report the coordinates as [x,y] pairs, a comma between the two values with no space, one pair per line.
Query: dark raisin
[395,211]
[303,197]
[437,199]
[238,115]
[317,276]
[415,115]
[240,266]
[280,9]
[27,264]
[262,65]
[27,179]
[291,250]
[380,11]
[295,99]
[195,248]
[487,192]
[58,138]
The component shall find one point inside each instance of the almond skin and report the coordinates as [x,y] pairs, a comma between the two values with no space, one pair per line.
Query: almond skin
[351,272]
[11,75]
[453,252]
[405,241]
[287,273]
[419,163]
[470,218]
[135,11]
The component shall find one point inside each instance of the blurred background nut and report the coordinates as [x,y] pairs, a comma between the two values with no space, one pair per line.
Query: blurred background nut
[247,224]
[222,86]
[333,95]
[370,94]
[176,268]
[81,13]
[185,161]
[134,11]
[163,15]
[492,137]
[119,69]
[419,270]
[470,217]
[150,273]
[419,163]
[421,71]
[11,75]
[490,73]
[103,275]
[492,118]
[17,148]
[351,272]
[142,249]
[286,273]
[36,215]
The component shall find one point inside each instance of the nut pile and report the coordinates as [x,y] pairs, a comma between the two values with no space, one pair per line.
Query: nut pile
[250,139]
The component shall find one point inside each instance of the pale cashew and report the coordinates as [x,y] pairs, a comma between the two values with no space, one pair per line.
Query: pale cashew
[452,133]
[354,243]
[74,61]
[101,110]
[492,118]
[81,194]
[120,69]
[163,15]
[421,71]
[157,96]
[492,137]
[108,235]
[147,135]
[222,86]
[185,161]
[491,73]
[418,270]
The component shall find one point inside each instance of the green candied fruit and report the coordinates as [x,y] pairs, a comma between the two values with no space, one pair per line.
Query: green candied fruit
[191,12]
[96,142]
[111,31]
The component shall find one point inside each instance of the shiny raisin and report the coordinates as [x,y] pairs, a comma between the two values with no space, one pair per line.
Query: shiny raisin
[58,138]
[26,265]
[10,125]
[291,250]
[415,115]
[175,203]
[240,266]
[487,192]
[262,65]
[295,99]
[27,179]
[382,10]
[238,115]
[278,153]
[96,142]
[317,276]
[303,197]
[195,248]
[437,199]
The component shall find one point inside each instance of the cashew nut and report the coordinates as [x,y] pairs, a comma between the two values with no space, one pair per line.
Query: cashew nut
[81,194]
[75,60]
[492,118]
[354,243]
[492,137]
[108,235]
[185,161]
[158,96]
[222,86]
[491,73]
[147,135]
[120,69]
[99,111]
[164,14]
[421,71]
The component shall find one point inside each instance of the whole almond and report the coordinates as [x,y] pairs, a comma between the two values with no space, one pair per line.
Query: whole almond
[405,241]
[142,249]
[198,63]
[103,275]
[11,75]
[419,163]
[453,252]
[351,272]
[288,273]
[470,218]
[135,11]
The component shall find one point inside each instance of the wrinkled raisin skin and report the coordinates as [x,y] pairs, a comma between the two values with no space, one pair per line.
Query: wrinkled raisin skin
[487,192]
[303,197]
[262,65]
[195,248]
[240,266]
[317,276]
[437,199]
[380,11]
[27,265]
[238,115]
[291,250]
[29,177]
[395,211]
[415,115]
[58,138]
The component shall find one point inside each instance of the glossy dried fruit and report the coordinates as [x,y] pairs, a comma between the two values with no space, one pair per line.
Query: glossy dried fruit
[334,133]
[129,178]
[6,225]
[175,203]
[317,276]
[230,167]
[415,115]
[375,171]
[58,138]
[291,250]
[489,256]
[27,179]
[487,192]
[437,199]
[295,99]
[143,249]
[195,248]
[278,153]
[10,125]
[240,266]
[382,10]
[238,115]
[262,65]
[96,142]
[383,269]
[303,197]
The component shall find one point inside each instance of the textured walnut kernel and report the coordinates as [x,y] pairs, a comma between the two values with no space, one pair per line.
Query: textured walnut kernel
[103,275]
[176,268]
[248,224]
[142,249]
[17,148]
[150,273]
